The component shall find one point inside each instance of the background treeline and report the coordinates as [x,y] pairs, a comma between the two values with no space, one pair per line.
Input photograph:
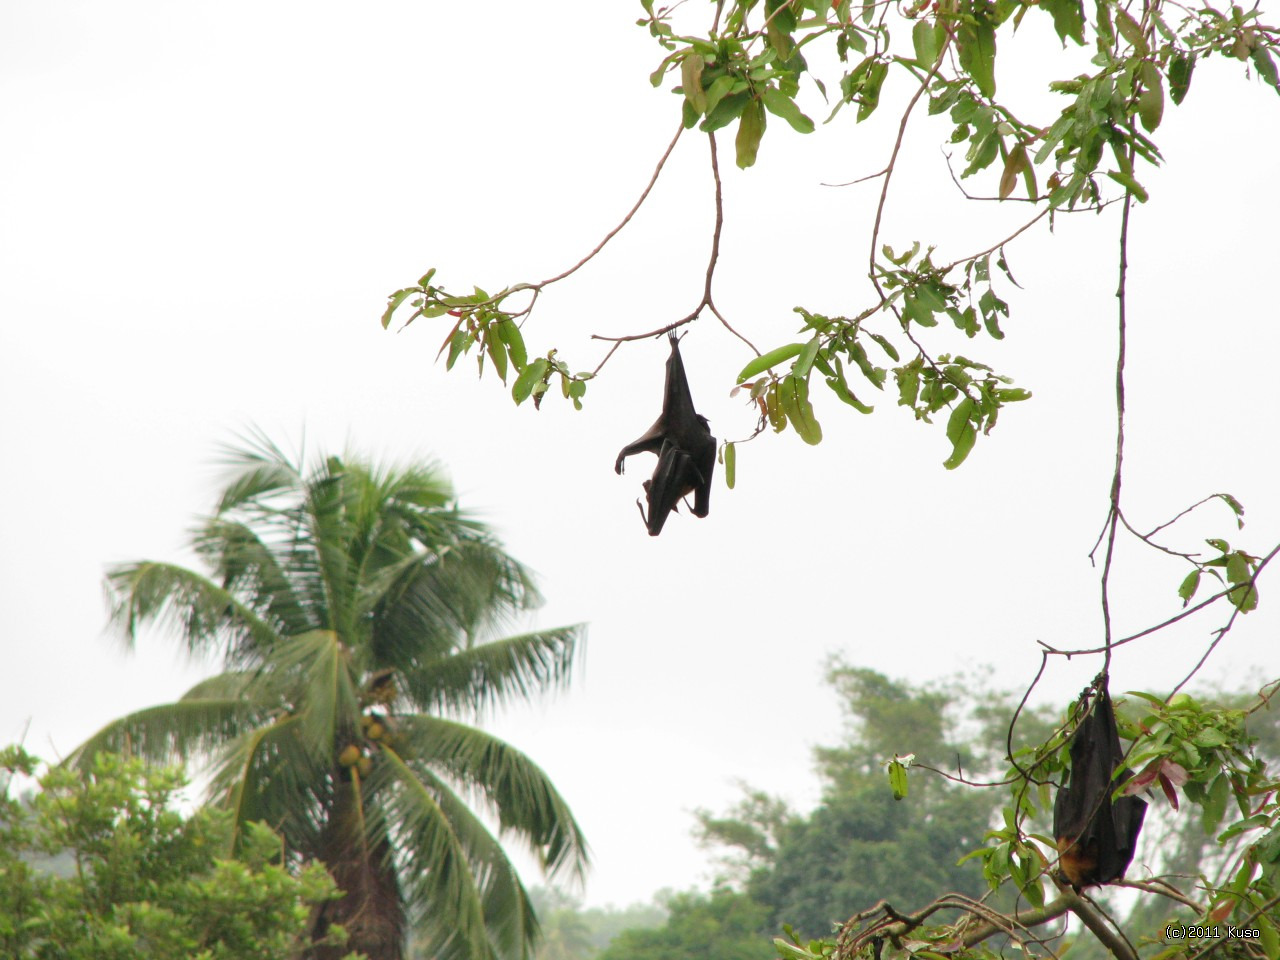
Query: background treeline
[96,863]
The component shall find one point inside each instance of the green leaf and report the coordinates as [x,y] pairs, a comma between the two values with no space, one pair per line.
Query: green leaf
[908,378]
[1210,738]
[1014,165]
[770,359]
[869,96]
[1236,507]
[497,351]
[511,336]
[394,301]
[1244,598]
[719,87]
[1237,568]
[730,465]
[876,375]
[728,109]
[961,433]
[794,394]
[924,37]
[532,374]
[1033,891]
[773,405]
[1133,186]
[917,311]
[959,417]
[1012,394]
[1268,938]
[804,363]
[691,80]
[1151,100]
[1180,68]
[885,345]
[897,779]
[977,43]
[1068,19]
[750,130]
[1131,31]
[1190,584]
[459,343]
[783,106]
[781,21]
[1266,68]
[841,389]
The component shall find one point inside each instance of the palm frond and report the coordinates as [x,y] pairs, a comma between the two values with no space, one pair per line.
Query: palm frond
[267,774]
[205,614]
[327,498]
[435,862]
[259,469]
[232,685]
[511,925]
[258,572]
[518,791]
[314,675]
[170,732]
[498,672]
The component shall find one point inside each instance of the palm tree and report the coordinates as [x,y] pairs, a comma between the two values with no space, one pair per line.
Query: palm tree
[354,608]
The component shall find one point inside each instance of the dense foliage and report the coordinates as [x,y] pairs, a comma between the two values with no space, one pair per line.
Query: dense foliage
[139,881]
[721,925]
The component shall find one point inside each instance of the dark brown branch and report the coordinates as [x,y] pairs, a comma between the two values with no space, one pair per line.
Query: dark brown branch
[1111,938]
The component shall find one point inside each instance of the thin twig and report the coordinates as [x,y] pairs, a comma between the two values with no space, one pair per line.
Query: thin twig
[996,246]
[1183,513]
[1113,515]
[706,301]
[897,146]
[1174,619]
[1146,538]
[625,220]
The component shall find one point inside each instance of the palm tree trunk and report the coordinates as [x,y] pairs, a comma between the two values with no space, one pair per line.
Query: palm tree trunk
[371,909]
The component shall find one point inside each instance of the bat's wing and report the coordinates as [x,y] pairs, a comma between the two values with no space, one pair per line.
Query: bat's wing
[651,442]
[1096,836]
[704,460]
[1127,815]
[673,478]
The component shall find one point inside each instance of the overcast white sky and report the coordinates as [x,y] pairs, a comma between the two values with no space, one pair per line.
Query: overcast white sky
[203,207]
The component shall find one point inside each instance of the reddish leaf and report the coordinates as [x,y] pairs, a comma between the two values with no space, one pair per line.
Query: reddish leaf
[1170,794]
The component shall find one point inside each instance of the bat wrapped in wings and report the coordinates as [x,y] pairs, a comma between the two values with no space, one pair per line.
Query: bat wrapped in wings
[1095,833]
[685,447]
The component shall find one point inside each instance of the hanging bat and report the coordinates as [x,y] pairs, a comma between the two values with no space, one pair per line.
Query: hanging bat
[685,447]
[1096,835]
